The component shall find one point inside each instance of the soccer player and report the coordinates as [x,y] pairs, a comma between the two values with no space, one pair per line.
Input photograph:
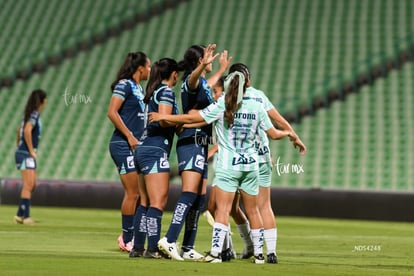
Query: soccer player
[152,154]
[126,112]
[192,147]
[28,135]
[265,173]
[237,120]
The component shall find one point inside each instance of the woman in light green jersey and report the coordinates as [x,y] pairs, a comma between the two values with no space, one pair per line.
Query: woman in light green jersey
[237,120]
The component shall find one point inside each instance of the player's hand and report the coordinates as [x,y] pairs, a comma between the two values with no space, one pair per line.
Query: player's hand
[297,143]
[225,61]
[154,117]
[209,54]
[33,154]
[132,141]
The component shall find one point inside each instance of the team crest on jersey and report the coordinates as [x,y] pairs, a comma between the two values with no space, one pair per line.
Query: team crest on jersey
[243,160]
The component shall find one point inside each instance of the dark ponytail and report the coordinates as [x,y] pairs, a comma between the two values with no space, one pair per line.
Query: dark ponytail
[36,98]
[232,91]
[160,70]
[191,58]
[130,65]
[230,100]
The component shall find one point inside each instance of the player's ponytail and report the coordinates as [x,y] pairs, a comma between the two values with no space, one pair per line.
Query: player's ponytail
[130,65]
[234,86]
[191,58]
[36,98]
[160,70]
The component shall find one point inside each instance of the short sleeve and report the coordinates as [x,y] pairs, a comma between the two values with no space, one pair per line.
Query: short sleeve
[121,89]
[213,112]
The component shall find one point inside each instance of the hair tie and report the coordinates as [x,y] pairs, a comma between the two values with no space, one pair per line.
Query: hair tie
[241,84]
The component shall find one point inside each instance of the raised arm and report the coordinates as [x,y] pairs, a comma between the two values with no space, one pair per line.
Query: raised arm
[224,64]
[284,124]
[207,59]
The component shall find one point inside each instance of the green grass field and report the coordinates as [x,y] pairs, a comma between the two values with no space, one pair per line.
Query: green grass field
[69,241]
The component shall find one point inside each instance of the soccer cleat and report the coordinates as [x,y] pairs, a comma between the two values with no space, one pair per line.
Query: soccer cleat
[247,253]
[18,219]
[272,258]
[259,259]
[192,255]
[169,248]
[127,247]
[227,255]
[136,252]
[211,259]
[28,221]
[152,255]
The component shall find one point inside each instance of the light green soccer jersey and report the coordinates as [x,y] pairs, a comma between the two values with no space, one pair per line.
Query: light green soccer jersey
[262,141]
[237,144]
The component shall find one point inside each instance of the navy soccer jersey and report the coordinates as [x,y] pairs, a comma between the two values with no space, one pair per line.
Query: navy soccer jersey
[34,120]
[198,98]
[132,109]
[154,134]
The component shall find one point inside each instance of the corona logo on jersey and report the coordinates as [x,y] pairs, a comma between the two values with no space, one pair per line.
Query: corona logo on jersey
[246,116]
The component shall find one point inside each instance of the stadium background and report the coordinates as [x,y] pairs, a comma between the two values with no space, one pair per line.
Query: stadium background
[340,71]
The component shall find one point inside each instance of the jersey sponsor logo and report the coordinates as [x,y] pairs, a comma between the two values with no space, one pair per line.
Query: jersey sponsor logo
[199,161]
[164,164]
[30,163]
[247,116]
[243,160]
[263,151]
[130,162]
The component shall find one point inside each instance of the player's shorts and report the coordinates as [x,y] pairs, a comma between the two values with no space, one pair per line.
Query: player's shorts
[192,157]
[265,174]
[149,160]
[230,181]
[24,161]
[122,156]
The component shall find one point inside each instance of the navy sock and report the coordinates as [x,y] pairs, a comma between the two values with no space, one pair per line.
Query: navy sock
[181,210]
[127,228]
[140,226]
[24,208]
[154,217]
[191,223]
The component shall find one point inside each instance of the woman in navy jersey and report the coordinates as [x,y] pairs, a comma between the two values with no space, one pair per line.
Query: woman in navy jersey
[152,154]
[192,147]
[28,135]
[126,112]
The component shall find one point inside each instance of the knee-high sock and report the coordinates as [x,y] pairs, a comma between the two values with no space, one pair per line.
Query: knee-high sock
[154,217]
[127,228]
[219,233]
[24,208]
[270,237]
[191,223]
[183,206]
[257,238]
[140,226]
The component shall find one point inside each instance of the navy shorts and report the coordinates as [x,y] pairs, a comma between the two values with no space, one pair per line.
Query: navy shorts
[192,157]
[122,156]
[149,159]
[24,161]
